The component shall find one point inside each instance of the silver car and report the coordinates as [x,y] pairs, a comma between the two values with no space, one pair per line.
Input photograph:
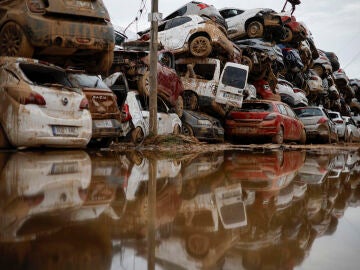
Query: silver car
[318,124]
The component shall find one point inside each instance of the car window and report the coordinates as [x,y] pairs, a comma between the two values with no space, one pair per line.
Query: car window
[234,76]
[198,71]
[181,11]
[161,106]
[142,103]
[333,115]
[228,13]
[41,74]
[307,112]
[87,81]
[290,112]
[282,109]
[177,22]
[256,107]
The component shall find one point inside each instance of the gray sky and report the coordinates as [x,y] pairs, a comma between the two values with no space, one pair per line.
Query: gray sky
[334,24]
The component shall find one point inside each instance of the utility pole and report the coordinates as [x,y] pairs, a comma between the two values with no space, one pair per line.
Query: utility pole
[154,17]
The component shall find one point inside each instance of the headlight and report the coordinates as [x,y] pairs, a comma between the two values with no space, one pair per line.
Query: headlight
[204,123]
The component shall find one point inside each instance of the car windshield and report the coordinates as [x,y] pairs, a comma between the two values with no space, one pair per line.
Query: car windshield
[308,112]
[333,115]
[257,107]
[87,81]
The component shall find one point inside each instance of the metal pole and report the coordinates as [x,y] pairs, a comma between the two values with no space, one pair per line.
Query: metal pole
[154,17]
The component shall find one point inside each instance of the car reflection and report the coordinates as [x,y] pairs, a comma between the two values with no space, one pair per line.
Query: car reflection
[34,184]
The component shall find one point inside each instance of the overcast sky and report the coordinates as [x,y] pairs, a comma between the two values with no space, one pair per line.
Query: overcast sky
[334,24]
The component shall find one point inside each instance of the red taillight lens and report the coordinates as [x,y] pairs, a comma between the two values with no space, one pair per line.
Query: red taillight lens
[33,98]
[322,120]
[270,116]
[84,104]
[125,113]
[339,121]
[36,6]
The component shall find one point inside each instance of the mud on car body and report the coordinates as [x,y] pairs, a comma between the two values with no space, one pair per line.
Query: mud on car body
[62,32]
[39,106]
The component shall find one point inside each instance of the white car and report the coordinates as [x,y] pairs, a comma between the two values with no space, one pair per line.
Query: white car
[168,123]
[340,124]
[290,95]
[196,35]
[39,107]
[252,22]
[352,131]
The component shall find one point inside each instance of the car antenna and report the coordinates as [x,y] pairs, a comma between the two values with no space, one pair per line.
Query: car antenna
[293,3]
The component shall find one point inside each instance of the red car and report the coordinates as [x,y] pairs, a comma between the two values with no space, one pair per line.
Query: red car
[264,91]
[293,30]
[265,118]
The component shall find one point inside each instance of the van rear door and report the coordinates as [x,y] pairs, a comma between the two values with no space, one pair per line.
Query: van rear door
[232,83]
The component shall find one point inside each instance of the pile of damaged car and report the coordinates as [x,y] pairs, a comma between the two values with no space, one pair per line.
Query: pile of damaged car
[227,74]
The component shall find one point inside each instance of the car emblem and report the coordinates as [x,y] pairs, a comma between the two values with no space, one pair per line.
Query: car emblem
[65,101]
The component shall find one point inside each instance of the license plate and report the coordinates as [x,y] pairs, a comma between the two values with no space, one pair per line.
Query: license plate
[64,168]
[243,130]
[232,96]
[67,131]
[103,123]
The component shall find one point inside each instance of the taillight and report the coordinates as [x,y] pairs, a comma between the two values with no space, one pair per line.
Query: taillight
[270,116]
[36,6]
[33,98]
[125,113]
[322,120]
[84,104]
[339,121]
[298,90]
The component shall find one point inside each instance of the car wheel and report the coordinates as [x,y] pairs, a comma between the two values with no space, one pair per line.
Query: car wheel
[288,35]
[137,135]
[179,106]
[303,137]
[318,69]
[13,41]
[104,63]
[177,129]
[200,46]
[246,60]
[191,101]
[144,84]
[279,137]
[255,29]
[187,130]
[197,245]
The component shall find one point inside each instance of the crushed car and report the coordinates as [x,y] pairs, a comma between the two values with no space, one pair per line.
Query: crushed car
[40,107]
[253,23]
[66,33]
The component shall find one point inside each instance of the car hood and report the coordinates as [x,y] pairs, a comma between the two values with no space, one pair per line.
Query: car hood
[84,8]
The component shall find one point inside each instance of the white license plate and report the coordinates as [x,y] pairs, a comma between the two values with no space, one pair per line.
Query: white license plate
[232,96]
[68,131]
[103,123]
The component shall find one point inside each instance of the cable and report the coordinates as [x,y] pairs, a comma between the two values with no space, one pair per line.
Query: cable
[138,15]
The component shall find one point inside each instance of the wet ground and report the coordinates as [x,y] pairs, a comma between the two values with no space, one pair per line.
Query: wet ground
[241,208]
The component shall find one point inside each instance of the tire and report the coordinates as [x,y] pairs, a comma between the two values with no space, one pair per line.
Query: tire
[288,35]
[179,106]
[303,137]
[191,101]
[255,29]
[137,135]
[104,62]
[246,60]
[200,46]
[13,41]
[198,245]
[187,130]
[143,84]
[177,129]
[279,137]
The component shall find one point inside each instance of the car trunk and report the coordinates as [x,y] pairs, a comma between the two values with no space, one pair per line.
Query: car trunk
[79,8]
[248,116]
[102,104]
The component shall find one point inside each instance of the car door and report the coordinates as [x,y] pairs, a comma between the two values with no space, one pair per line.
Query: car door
[287,122]
[176,32]
[296,125]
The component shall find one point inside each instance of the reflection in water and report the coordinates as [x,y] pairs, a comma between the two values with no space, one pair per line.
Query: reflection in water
[221,210]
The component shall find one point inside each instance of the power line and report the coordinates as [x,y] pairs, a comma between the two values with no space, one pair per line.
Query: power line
[140,12]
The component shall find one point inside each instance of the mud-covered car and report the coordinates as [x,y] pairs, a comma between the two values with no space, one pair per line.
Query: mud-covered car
[258,22]
[139,115]
[103,106]
[293,30]
[64,32]
[208,87]
[202,126]
[290,95]
[195,35]
[264,118]
[202,9]
[132,59]
[264,91]
[39,106]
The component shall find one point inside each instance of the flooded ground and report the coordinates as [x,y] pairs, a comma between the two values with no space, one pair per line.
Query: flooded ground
[279,208]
